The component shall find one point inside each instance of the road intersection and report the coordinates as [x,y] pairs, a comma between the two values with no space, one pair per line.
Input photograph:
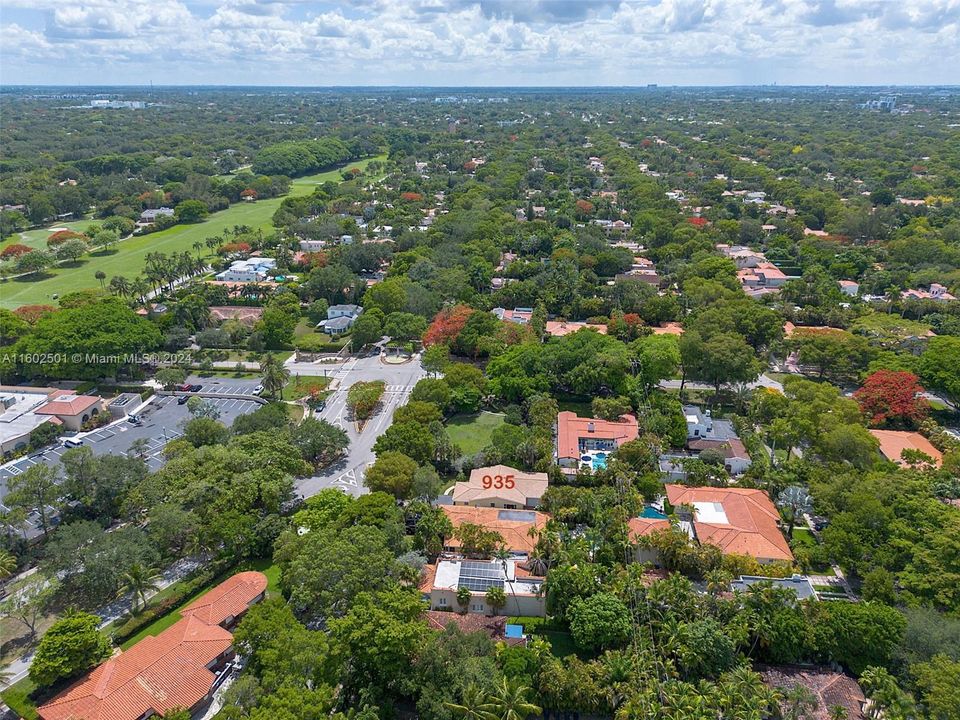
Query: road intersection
[400,379]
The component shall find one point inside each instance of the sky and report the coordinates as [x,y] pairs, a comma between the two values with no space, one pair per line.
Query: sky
[479,42]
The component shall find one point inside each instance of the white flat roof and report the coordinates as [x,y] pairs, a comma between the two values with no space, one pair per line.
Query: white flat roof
[711,512]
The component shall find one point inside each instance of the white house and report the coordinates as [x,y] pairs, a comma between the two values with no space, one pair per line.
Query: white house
[340,318]
[250,270]
[312,245]
[523,595]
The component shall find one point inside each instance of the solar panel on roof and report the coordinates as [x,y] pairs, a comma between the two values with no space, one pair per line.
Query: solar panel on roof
[517,515]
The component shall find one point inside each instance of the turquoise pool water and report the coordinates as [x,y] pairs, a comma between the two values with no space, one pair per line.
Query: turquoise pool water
[653,513]
[599,461]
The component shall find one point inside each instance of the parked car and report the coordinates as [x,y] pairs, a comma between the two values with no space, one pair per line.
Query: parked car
[195,388]
[182,400]
[72,443]
[135,420]
[258,389]
[185,387]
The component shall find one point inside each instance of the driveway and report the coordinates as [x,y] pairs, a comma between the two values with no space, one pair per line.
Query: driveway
[349,472]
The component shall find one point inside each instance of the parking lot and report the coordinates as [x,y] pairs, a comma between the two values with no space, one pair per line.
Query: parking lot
[162,421]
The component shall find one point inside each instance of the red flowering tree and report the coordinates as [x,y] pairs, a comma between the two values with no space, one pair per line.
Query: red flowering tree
[61,236]
[411,196]
[234,248]
[698,222]
[249,194]
[31,313]
[447,324]
[12,252]
[894,398]
[584,207]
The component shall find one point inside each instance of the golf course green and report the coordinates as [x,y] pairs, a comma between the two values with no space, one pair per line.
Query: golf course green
[128,256]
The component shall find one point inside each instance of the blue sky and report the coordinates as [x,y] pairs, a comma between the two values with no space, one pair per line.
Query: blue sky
[480,42]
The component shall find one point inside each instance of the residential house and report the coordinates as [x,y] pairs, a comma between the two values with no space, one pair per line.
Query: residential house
[739,521]
[669,328]
[850,288]
[340,318]
[520,316]
[523,592]
[612,227]
[736,459]
[586,442]
[513,526]
[178,668]
[799,585]
[761,279]
[936,292]
[149,216]
[251,270]
[894,442]
[559,328]
[829,688]
[312,245]
[501,486]
[248,316]
[744,257]
[650,522]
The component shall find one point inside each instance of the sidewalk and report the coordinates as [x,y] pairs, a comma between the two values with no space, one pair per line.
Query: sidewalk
[19,668]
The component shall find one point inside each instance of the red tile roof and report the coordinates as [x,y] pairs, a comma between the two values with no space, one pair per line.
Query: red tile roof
[515,486]
[514,532]
[745,521]
[894,442]
[67,404]
[571,428]
[229,599]
[640,526]
[161,672]
[830,688]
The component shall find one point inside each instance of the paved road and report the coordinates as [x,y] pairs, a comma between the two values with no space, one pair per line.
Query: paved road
[400,379]
[762,381]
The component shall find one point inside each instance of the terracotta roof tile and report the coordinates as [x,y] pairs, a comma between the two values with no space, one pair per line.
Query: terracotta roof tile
[571,428]
[514,532]
[160,672]
[745,521]
[894,442]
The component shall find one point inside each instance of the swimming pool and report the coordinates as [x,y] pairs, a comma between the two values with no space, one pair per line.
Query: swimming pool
[599,461]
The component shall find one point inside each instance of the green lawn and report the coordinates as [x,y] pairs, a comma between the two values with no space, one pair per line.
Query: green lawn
[264,565]
[300,385]
[17,696]
[38,238]
[472,432]
[129,257]
[803,536]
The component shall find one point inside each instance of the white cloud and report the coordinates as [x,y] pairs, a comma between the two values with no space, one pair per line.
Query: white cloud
[501,42]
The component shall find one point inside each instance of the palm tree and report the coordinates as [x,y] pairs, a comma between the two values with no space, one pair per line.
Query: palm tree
[8,564]
[198,246]
[275,376]
[119,285]
[496,599]
[474,706]
[509,701]
[463,598]
[140,288]
[101,276]
[138,581]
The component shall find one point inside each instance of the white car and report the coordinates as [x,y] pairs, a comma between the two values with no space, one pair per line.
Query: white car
[258,389]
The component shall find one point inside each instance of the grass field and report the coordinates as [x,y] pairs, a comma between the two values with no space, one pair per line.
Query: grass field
[300,385]
[129,257]
[472,432]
